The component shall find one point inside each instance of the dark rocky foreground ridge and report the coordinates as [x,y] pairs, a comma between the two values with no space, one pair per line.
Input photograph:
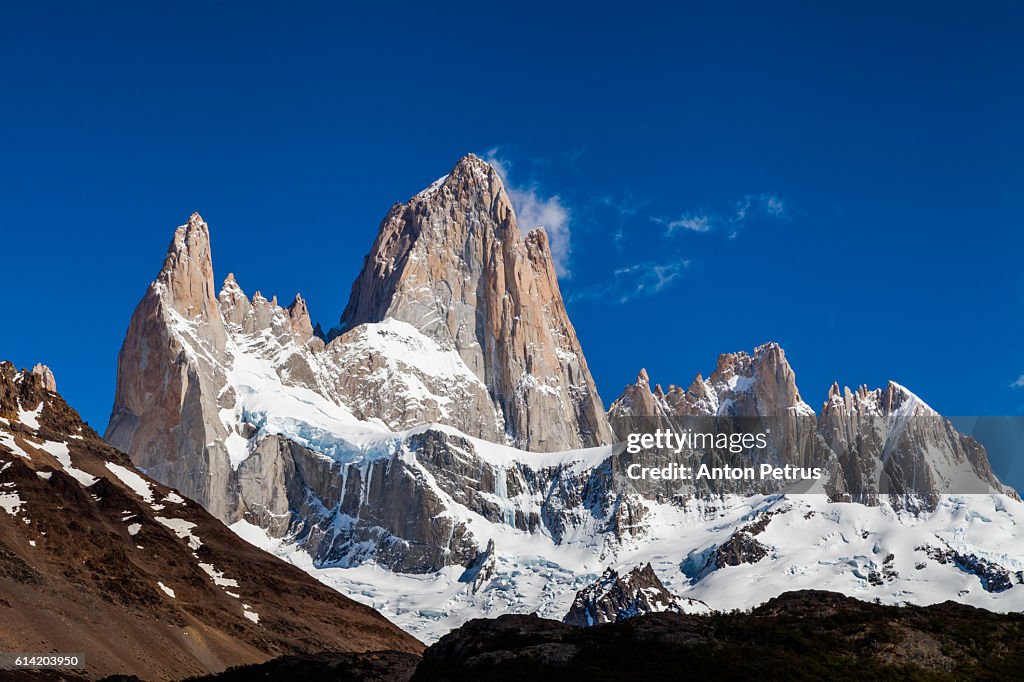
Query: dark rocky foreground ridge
[806,635]
[97,559]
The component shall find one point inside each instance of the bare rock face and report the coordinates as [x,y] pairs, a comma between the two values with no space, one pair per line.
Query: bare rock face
[170,372]
[745,393]
[298,313]
[452,263]
[638,399]
[742,385]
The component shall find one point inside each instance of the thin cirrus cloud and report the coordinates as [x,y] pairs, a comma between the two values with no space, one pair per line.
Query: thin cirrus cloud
[536,209]
[1019,383]
[638,280]
[650,277]
[645,279]
[694,223]
[765,204]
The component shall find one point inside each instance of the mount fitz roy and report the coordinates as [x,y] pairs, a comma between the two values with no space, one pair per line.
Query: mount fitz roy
[443,452]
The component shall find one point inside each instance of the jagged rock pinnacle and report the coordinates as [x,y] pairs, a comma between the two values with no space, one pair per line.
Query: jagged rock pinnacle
[187,273]
[44,373]
[298,313]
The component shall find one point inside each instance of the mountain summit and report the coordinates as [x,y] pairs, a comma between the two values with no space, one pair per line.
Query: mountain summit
[452,263]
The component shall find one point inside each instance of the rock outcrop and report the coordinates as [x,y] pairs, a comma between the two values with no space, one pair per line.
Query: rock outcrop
[44,373]
[612,598]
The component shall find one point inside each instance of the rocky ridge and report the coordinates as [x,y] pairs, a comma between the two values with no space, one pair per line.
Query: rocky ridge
[839,638]
[615,597]
[869,443]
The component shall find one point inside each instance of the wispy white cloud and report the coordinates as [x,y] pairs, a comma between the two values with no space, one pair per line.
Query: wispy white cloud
[1019,383]
[536,209]
[636,281]
[694,223]
[767,204]
[627,206]
[775,207]
[750,205]
[645,279]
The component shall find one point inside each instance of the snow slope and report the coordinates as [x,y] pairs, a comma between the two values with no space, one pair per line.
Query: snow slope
[813,544]
[876,552]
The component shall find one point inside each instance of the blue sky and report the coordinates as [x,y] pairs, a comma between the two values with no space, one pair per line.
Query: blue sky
[846,181]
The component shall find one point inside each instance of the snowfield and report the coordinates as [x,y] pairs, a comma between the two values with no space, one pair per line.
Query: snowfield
[812,544]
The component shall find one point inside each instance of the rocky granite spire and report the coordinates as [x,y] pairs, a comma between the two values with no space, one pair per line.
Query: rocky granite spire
[742,385]
[170,371]
[452,263]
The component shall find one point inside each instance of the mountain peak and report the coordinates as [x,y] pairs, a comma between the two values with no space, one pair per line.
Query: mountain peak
[469,172]
[186,278]
[452,263]
[472,162]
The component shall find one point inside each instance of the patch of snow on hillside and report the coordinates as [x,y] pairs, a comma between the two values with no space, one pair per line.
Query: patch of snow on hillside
[137,483]
[31,419]
[181,528]
[10,502]
[218,576]
[61,453]
[7,439]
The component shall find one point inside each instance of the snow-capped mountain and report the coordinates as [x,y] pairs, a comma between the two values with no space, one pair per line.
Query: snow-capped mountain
[383,457]
[98,559]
